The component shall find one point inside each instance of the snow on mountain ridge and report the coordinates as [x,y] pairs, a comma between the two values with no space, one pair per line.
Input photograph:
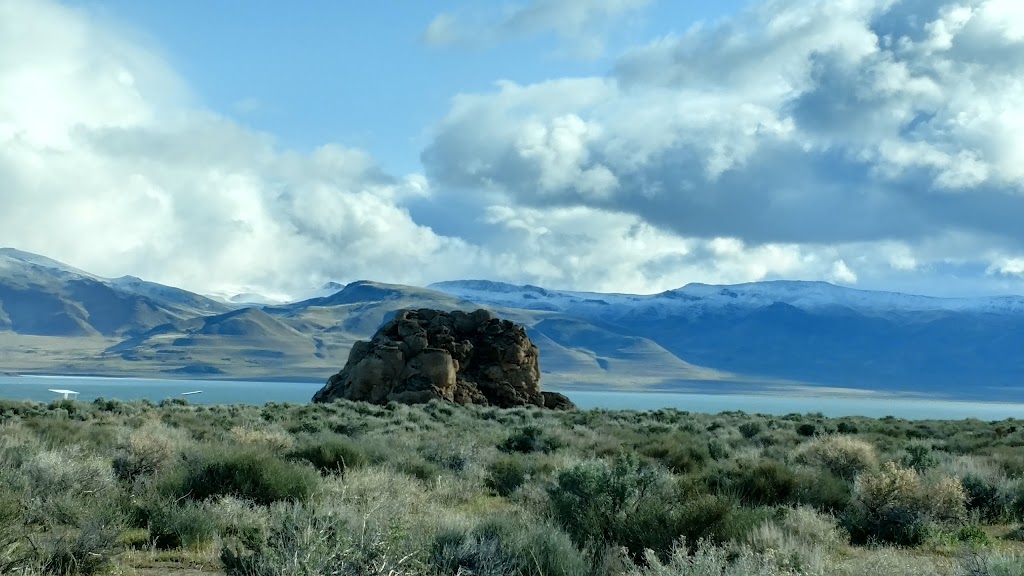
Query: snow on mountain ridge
[13,256]
[697,296]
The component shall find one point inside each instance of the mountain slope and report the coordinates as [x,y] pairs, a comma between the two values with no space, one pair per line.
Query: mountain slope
[812,332]
[43,297]
[777,334]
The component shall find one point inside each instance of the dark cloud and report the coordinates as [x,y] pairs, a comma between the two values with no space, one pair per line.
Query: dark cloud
[794,122]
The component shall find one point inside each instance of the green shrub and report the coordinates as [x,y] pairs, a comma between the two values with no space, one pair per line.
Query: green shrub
[172,525]
[822,490]
[757,483]
[419,469]
[331,454]
[990,499]
[718,449]
[1017,499]
[530,439]
[240,519]
[807,430]
[89,550]
[507,544]
[972,534]
[919,457]
[592,499]
[751,429]
[447,456]
[506,475]
[847,428]
[258,476]
[680,454]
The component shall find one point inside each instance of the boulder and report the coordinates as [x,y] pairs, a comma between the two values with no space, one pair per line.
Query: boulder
[556,401]
[466,358]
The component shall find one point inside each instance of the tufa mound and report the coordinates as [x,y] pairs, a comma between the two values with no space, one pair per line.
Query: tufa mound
[467,358]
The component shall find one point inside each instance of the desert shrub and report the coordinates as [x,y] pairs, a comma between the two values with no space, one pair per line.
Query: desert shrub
[888,561]
[258,476]
[976,563]
[152,447]
[419,468]
[894,504]
[806,429]
[944,499]
[822,490]
[454,458]
[972,534]
[801,537]
[239,519]
[847,428]
[66,486]
[706,559]
[919,457]
[718,449]
[680,454]
[330,454]
[509,543]
[305,542]
[506,475]
[1017,499]
[176,524]
[593,500]
[757,483]
[88,550]
[68,471]
[530,439]
[991,499]
[11,530]
[751,429]
[269,437]
[844,456]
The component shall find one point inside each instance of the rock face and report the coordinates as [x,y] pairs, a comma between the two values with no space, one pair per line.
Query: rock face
[467,358]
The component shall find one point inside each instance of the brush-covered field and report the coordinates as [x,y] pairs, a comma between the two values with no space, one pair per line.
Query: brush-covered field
[138,488]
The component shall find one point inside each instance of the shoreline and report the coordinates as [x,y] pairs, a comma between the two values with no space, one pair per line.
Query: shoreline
[167,377]
[695,388]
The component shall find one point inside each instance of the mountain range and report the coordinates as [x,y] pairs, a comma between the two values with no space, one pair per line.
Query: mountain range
[766,336]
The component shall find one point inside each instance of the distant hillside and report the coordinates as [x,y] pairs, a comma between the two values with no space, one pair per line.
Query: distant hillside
[810,332]
[761,336]
[42,297]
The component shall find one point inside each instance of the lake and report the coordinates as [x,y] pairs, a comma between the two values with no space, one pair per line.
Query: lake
[226,392]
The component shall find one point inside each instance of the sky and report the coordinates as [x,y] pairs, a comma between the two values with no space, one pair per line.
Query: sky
[632,146]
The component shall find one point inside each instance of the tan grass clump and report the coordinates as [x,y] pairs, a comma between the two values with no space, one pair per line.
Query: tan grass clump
[273,438]
[844,456]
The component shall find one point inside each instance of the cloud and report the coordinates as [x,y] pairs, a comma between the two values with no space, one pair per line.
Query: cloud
[784,143]
[581,26]
[795,122]
[1008,267]
[842,274]
[107,163]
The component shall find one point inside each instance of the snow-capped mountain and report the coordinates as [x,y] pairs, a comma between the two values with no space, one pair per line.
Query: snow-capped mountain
[757,334]
[806,331]
[695,298]
[246,298]
[41,296]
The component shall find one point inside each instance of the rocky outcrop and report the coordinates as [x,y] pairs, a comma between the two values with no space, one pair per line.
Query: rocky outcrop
[556,401]
[462,357]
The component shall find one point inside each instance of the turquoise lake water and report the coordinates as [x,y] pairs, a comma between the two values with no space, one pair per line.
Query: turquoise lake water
[224,392]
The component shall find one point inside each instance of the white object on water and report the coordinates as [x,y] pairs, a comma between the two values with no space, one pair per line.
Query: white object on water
[65,393]
[192,392]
